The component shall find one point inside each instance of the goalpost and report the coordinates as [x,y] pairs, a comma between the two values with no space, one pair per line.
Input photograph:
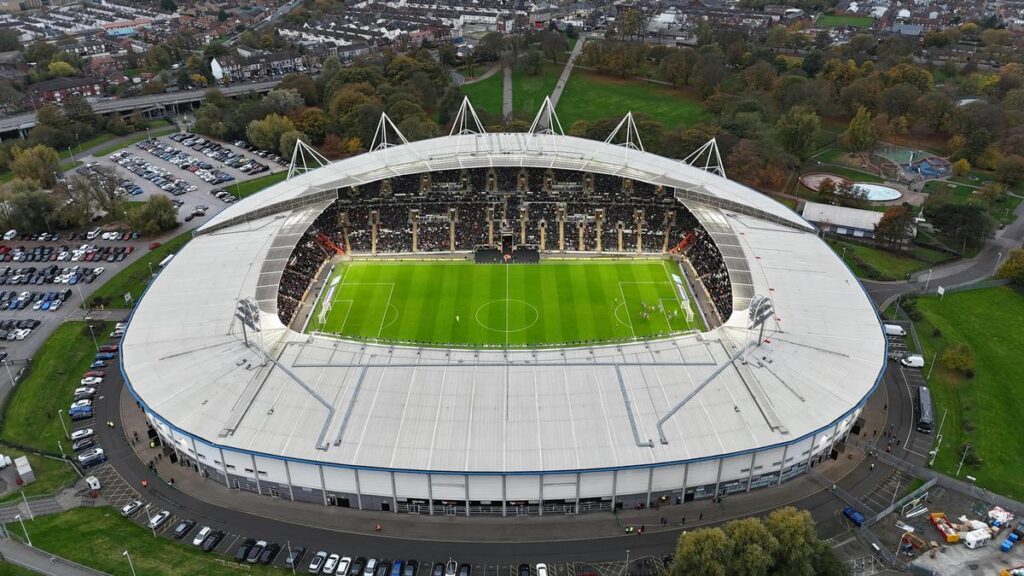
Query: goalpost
[328,301]
[683,298]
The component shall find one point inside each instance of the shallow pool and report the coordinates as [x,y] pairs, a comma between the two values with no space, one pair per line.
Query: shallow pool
[878,192]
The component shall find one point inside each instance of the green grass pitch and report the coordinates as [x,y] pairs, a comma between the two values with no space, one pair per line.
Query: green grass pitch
[465,304]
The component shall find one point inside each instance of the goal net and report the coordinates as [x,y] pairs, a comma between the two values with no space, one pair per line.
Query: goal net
[684,300]
[328,302]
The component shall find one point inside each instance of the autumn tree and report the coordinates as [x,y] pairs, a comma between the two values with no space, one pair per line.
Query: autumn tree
[960,167]
[860,134]
[797,131]
[896,227]
[1012,268]
[266,133]
[958,356]
[39,163]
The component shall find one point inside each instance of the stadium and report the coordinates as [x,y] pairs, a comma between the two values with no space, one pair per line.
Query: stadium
[504,324]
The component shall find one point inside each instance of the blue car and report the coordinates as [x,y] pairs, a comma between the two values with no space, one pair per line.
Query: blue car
[105,356]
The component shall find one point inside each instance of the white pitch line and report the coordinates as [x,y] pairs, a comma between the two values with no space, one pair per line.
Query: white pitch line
[387,305]
[628,316]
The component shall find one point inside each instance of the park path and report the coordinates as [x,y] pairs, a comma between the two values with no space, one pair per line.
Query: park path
[490,72]
[506,100]
[36,560]
[567,71]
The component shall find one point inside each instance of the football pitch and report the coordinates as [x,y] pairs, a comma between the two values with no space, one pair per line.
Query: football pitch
[477,305]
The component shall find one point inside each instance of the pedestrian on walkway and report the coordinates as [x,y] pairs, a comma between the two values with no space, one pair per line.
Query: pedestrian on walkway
[377,528]
[701,517]
[684,521]
[872,465]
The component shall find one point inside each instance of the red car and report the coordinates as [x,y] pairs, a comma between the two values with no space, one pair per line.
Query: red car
[109,348]
[95,374]
[154,245]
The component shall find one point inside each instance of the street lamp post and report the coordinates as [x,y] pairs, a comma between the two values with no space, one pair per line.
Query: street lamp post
[289,545]
[962,458]
[999,257]
[93,334]
[928,281]
[130,565]
[22,522]
[62,424]
[61,447]
[9,373]
[150,521]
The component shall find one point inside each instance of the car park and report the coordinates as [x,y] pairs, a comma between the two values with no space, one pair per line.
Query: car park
[243,549]
[316,563]
[330,564]
[371,567]
[79,445]
[212,540]
[357,566]
[159,520]
[91,457]
[410,568]
[201,535]
[131,508]
[383,568]
[294,557]
[182,529]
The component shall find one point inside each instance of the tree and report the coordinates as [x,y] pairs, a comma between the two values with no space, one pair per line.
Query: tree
[99,188]
[752,549]
[282,101]
[155,216]
[1010,170]
[168,5]
[266,133]
[960,167]
[553,44]
[60,68]
[860,134]
[966,223]
[288,141]
[39,163]
[709,72]
[992,193]
[797,131]
[29,209]
[312,122]
[77,109]
[701,553]
[958,356]
[490,47]
[447,54]
[899,99]
[813,62]
[677,66]
[302,84]
[222,15]
[1012,268]
[9,40]
[794,531]
[896,227]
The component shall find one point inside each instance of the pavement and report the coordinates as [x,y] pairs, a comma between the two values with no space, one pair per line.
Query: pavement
[567,71]
[506,95]
[36,560]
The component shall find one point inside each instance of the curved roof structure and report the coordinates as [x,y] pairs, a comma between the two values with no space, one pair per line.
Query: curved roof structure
[341,403]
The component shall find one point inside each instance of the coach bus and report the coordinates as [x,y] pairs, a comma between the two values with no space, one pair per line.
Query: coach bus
[924,410]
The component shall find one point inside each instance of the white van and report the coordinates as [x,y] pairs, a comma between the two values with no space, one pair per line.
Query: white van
[894,330]
[913,361]
[11,234]
[92,234]
[977,538]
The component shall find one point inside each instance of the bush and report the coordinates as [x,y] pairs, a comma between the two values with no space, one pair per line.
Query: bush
[960,357]
[936,333]
[968,426]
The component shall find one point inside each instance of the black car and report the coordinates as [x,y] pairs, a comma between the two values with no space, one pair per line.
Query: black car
[254,553]
[212,540]
[410,568]
[524,570]
[294,556]
[357,566]
[383,568]
[438,570]
[243,549]
[269,553]
[82,444]
[183,528]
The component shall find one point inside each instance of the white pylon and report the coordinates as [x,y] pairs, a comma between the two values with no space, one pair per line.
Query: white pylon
[546,121]
[707,158]
[303,158]
[466,120]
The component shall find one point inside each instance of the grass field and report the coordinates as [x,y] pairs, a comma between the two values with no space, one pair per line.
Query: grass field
[528,91]
[835,21]
[250,187]
[984,410]
[135,277]
[98,537]
[466,304]
[31,416]
[12,570]
[877,264]
[51,474]
[486,95]
[963,194]
[591,96]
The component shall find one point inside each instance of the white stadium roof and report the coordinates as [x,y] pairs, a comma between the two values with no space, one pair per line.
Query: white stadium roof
[352,404]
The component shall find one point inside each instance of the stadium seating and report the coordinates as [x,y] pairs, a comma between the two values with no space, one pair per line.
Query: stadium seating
[476,203]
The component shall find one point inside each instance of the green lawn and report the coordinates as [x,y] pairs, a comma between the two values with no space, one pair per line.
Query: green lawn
[835,21]
[984,410]
[592,96]
[96,140]
[98,537]
[466,304]
[250,187]
[31,413]
[878,264]
[963,194]
[135,277]
[51,474]
[486,95]
[528,91]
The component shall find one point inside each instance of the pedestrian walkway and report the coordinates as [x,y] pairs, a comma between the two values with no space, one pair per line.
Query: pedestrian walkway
[506,100]
[490,72]
[30,558]
[566,72]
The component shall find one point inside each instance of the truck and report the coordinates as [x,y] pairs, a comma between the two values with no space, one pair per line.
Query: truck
[894,330]
[853,515]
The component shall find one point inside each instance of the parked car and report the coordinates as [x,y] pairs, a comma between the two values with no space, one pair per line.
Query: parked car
[92,457]
[131,508]
[255,552]
[201,535]
[159,520]
[81,433]
[294,556]
[212,540]
[182,529]
[269,553]
[317,562]
[243,549]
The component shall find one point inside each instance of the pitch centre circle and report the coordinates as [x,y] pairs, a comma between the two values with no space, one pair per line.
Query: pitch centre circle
[513,315]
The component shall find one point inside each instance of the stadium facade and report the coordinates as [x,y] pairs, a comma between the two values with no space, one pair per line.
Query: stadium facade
[259,406]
